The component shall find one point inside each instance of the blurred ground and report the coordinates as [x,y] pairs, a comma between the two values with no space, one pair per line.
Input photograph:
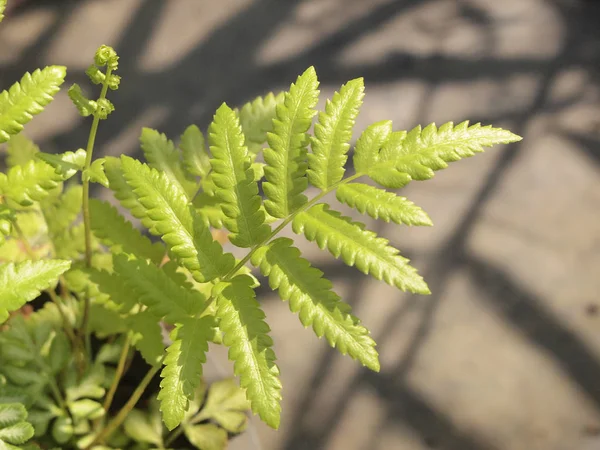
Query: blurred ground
[506,352]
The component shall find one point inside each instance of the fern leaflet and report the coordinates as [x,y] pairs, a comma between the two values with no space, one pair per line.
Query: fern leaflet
[20,150]
[312,297]
[358,247]
[21,283]
[29,183]
[27,98]
[147,336]
[2,6]
[180,226]
[236,187]
[285,172]
[332,135]
[195,158]
[183,368]
[155,289]
[256,119]
[119,234]
[380,204]
[246,335]
[417,154]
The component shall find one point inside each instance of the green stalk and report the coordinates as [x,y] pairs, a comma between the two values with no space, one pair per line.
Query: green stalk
[112,426]
[118,374]
[85,207]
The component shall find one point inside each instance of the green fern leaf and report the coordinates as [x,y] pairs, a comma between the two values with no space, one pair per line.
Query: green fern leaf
[2,6]
[358,247]
[311,296]
[60,213]
[27,98]
[66,164]
[96,172]
[183,368]
[29,183]
[380,204]
[162,155]
[180,226]
[155,289]
[97,281]
[21,283]
[246,335]
[209,207]
[333,132]
[20,150]
[124,193]
[417,154]
[285,172]
[256,119]
[195,158]
[236,187]
[369,143]
[16,434]
[119,234]
[147,336]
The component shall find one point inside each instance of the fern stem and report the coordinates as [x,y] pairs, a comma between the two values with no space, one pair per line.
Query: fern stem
[85,206]
[277,230]
[118,374]
[112,426]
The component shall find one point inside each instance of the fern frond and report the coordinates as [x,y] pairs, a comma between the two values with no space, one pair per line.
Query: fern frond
[27,98]
[380,204]
[29,183]
[21,283]
[311,296]
[195,158]
[155,289]
[417,154]
[147,336]
[177,222]
[119,234]
[285,172]
[2,6]
[67,164]
[61,212]
[20,150]
[183,368]
[256,119]
[162,155]
[366,150]
[332,135]
[234,178]
[246,335]
[124,193]
[358,247]
[97,281]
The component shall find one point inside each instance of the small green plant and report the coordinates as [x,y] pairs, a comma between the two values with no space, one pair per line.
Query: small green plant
[113,292]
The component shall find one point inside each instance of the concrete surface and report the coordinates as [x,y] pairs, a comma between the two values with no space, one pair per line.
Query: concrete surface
[506,352]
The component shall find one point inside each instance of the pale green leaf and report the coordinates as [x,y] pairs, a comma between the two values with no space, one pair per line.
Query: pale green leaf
[246,334]
[417,154]
[256,119]
[358,247]
[27,98]
[84,105]
[181,227]
[66,164]
[285,172]
[380,204]
[29,183]
[147,336]
[195,158]
[11,413]
[60,212]
[86,409]
[227,405]
[20,150]
[236,186]
[2,6]
[139,427]
[183,368]
[162,155]
[369,143]
[209,208]
[21,283]
[96,172]
[206,436]
[119,235]
[105,321]
[155,289]
[311,296]
[17,434]
[333,132]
